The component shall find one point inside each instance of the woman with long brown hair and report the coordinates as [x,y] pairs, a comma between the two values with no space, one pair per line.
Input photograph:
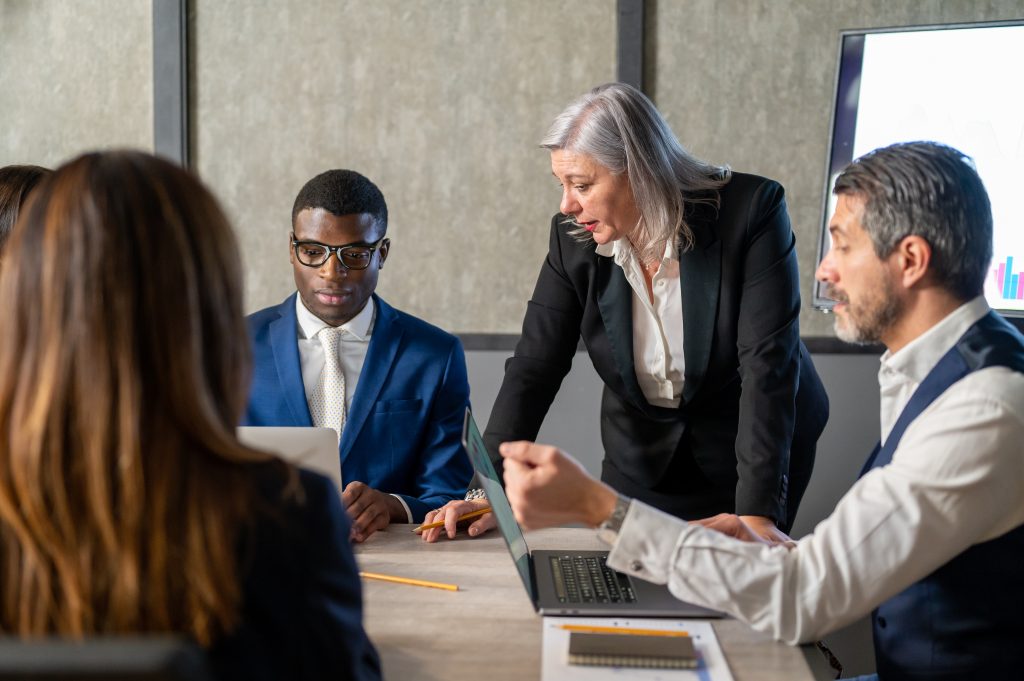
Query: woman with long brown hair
[126,503]
[15,184]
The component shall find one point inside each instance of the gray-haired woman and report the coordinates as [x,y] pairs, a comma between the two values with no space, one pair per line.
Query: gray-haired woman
[681,279]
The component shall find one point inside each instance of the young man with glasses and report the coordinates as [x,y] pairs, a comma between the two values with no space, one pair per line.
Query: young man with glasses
[334,354]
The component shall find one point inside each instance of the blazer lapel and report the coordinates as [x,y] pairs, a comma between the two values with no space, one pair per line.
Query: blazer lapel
[700,272]
[384,345]
[286,360]
[615,301]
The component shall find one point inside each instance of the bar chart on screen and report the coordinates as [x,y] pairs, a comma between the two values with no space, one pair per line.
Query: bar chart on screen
[1006,282]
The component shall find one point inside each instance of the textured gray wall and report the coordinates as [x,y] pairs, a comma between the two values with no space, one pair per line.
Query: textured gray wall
[750,83]
[442,104]
[74,76]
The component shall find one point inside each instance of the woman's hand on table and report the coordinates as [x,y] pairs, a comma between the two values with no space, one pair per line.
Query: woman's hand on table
[752,528]
[450,514]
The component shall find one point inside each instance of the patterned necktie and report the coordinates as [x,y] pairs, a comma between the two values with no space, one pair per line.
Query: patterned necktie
[327,406]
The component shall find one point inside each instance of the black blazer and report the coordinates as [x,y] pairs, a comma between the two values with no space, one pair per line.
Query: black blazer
[752,408]
[302,613]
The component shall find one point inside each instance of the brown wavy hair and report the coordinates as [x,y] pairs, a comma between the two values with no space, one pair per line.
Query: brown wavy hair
[15,184]
[124,368]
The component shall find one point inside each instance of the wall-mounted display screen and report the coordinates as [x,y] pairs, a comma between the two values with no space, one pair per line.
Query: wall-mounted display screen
[960,85]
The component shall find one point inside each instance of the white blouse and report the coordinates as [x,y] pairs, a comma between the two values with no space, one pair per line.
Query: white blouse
[657,326]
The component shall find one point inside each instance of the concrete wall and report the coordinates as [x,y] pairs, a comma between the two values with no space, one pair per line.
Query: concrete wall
[442,104]
[74,76]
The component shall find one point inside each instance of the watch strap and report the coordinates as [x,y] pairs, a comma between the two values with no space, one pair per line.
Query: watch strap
[608,530]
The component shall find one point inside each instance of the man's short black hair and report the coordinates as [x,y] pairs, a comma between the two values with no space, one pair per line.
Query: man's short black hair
[343,192]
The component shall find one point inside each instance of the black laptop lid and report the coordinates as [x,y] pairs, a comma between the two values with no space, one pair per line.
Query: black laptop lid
[474,444]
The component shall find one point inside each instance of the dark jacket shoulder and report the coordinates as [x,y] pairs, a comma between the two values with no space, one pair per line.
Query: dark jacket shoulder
[302,600]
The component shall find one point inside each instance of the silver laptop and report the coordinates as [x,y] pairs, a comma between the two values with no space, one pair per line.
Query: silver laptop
[570,582]
[312,448]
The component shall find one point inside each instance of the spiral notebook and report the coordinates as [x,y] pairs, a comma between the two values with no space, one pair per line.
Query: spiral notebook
[631,650]
[559,633]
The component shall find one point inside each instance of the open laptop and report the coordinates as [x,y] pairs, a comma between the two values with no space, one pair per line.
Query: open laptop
[312,448]
[570,582]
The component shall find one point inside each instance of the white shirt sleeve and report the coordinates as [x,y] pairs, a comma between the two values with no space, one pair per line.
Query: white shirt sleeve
[408,513]
[956,479]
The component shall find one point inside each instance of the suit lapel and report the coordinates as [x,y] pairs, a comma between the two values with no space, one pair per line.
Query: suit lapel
[283,332]
[615,301]
[700,273]
[384,345]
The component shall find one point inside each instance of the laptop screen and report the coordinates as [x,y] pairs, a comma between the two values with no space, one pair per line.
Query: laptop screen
[474,443]
[312,448]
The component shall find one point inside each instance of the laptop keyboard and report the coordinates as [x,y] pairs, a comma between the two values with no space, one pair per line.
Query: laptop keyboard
[586,579]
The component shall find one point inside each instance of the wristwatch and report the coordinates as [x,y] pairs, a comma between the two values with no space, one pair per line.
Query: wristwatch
[475,494]
[608,531]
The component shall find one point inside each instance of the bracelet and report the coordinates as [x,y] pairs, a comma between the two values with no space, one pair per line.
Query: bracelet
[475,494]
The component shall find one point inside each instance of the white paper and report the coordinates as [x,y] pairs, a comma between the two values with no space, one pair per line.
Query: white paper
[555,665]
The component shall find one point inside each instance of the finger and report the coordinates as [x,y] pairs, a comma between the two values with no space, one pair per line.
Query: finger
[521,450]
[361,520]
[484,523]
[357,506]
[430,536]
[375,523]
[713,521]
[725,524]
[378,523]
[452,513]
[352,491]
[515,472]
[364,522]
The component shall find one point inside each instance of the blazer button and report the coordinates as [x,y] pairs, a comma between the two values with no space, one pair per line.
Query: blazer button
[636,566]
[881,623]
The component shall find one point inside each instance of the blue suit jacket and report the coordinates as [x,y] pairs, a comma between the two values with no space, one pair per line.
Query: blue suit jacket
[403,434]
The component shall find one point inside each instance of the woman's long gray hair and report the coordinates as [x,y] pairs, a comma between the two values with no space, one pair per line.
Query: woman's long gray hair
[619,127]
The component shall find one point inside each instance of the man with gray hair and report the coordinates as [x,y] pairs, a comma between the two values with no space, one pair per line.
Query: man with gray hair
[931,538]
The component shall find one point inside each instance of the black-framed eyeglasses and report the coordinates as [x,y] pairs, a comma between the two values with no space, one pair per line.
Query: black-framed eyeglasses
[355,256]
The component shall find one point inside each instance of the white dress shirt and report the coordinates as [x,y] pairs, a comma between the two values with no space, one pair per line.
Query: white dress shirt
[956,479]
[658,326]
[355,341]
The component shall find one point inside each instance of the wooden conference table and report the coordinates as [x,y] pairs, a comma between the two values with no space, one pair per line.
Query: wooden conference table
[488,629]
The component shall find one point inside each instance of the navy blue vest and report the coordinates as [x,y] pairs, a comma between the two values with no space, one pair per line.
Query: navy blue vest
[966,619]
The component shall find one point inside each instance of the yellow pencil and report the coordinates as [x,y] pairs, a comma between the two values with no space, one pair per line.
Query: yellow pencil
[471,514]
[407,580]
[622,630]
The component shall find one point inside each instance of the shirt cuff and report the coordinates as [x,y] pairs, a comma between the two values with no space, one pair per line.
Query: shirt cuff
[646,543]
[408,513]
